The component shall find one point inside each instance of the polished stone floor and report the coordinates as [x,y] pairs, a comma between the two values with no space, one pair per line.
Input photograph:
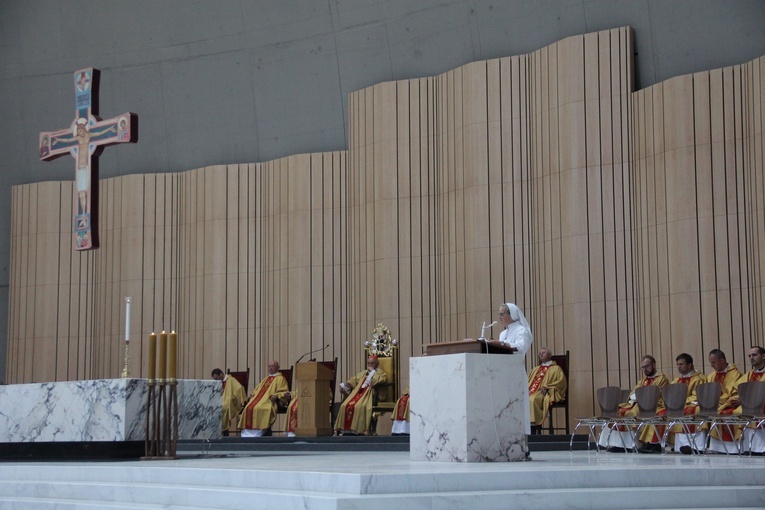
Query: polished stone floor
[372,480]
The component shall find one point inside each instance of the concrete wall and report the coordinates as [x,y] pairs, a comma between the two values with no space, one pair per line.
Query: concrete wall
[217,82]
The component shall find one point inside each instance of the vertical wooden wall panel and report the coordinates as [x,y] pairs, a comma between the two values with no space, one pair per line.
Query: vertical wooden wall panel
[622,222]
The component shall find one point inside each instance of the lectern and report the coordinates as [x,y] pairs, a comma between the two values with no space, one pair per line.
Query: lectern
[468,405]
[313,409]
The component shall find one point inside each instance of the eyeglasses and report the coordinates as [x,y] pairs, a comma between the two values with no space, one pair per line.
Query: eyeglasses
[503,313]
[645,367]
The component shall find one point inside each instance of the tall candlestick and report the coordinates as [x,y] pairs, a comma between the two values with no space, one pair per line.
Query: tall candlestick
[173,357]
[127,319]
[152,357]
[162,362]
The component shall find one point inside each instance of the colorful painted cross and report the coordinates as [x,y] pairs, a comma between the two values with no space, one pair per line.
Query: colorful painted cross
[85,139]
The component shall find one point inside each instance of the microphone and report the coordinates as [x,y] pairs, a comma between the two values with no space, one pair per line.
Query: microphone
[483,330]
[310,352]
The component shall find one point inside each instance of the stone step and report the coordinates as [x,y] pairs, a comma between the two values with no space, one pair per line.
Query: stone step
[130,496]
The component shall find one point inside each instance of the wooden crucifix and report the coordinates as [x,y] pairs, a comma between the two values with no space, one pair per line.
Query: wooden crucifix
[85,139]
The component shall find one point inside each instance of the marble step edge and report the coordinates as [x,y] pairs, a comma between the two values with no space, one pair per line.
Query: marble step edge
[25,503]
[386,483]
[656,498]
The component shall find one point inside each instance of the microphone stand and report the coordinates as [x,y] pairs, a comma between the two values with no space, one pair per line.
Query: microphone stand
[310,352]
[482,338]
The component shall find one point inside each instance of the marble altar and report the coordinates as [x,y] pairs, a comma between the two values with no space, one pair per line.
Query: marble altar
[101,410]
[468,408]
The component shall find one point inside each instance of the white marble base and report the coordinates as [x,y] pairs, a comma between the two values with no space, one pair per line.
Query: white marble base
[385,480]
[101,410]
[468,408]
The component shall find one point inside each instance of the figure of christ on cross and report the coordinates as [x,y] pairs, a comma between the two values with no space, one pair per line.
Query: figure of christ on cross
[84,140]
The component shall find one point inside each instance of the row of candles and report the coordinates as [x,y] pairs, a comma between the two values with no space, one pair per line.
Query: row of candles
[168,351]
[166,367]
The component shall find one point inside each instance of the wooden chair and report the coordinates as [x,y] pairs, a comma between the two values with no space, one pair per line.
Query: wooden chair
[751,394]
[332,365]
[648,398]
[609,398]
[562,361]
[281,406]
[708,397]
[674,396]
[243,377]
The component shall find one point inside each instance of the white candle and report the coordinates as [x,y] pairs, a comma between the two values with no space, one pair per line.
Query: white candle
[127,319]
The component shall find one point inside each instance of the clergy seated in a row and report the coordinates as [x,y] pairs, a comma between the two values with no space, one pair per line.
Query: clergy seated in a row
[261,409]
[547,384]
[723,439]
[400,416]
[726,439]
[234,397]
[619,439]
[355,414]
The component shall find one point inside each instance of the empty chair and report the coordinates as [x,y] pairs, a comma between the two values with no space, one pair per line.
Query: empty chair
[609,398]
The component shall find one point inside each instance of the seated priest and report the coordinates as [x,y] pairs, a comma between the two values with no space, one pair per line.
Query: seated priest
[355,413]
[234,397]
[754,436]
[260,412]
[722,439]
[690,377]
[547,384]
[400,416]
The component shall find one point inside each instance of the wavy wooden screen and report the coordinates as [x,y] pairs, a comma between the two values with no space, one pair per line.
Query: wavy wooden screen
[622,222]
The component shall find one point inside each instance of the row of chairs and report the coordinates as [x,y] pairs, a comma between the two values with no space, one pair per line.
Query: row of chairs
[751,395]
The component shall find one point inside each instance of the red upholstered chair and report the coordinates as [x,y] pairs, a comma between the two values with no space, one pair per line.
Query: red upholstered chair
[562,361]
[243,377]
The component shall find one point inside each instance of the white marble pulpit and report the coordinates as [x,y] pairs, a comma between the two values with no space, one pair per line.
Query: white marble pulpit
[468,408]
[102,410]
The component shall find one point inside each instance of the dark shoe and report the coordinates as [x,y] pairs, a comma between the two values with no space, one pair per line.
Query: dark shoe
[616,449]
[650,448]
[686,450]
[225,433]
